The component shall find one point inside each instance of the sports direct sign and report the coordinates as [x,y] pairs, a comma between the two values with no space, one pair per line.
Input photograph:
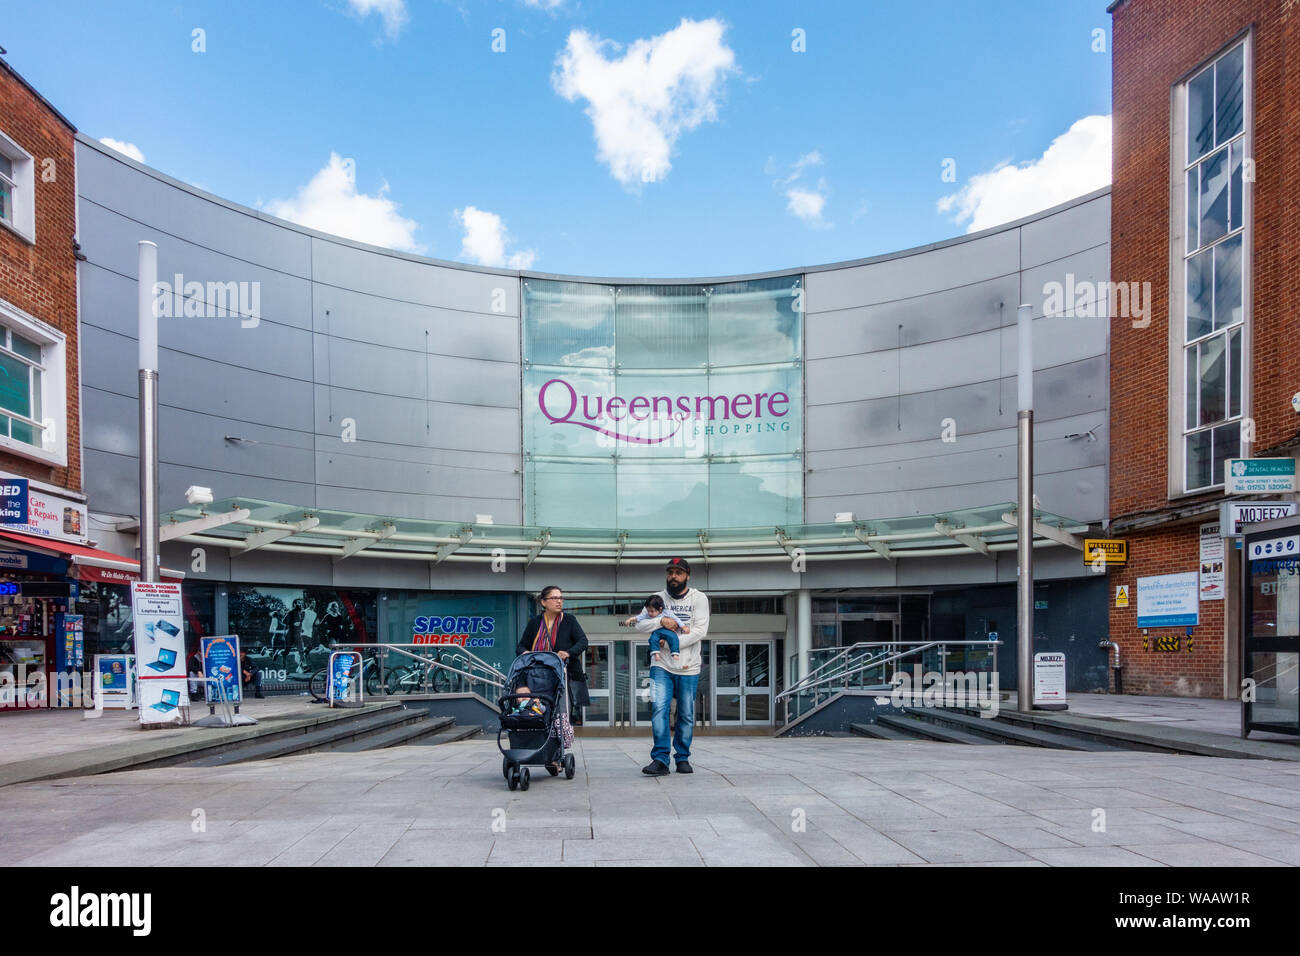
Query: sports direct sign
[457,631]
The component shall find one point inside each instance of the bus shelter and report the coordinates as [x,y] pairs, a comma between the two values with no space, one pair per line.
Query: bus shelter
[1271,628]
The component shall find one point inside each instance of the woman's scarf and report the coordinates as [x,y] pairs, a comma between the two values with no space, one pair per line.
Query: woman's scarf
[545,640]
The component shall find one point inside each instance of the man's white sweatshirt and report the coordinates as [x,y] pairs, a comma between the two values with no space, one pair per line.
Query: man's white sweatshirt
[691,609]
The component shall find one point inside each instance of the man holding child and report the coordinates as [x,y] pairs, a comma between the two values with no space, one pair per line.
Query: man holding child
[675,671]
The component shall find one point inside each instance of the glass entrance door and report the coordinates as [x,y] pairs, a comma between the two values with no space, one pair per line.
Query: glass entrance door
[742,683]
[597,661]
[876,628]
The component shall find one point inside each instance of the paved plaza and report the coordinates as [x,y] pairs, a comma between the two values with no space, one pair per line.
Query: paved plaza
[752,801]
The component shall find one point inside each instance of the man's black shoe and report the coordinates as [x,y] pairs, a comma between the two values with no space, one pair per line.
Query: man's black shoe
[684,766]
[655,769]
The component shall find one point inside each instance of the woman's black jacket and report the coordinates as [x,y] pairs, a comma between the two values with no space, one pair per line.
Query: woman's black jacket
[569,637]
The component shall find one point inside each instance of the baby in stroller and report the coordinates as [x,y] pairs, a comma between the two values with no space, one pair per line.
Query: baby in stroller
[527,705]
[535,716]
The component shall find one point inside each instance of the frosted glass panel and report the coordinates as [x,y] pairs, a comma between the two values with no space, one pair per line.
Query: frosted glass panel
[687,398]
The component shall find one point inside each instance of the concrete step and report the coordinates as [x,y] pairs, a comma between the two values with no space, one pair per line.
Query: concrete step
[1005,732]
[879,732]
[916,728]
[1152,738]
[338,733]
[410,733]
[449,736]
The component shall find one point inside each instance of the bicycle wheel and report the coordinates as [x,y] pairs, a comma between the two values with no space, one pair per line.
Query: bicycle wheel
[442,681]
[318,685]
[373,687]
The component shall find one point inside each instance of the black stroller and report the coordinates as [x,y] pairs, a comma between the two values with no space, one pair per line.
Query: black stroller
[535,734]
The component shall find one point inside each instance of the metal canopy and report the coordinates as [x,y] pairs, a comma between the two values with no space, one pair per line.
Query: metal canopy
[271,526]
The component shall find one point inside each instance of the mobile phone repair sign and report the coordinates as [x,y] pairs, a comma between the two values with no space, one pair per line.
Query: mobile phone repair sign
[156,612]
[1169,600]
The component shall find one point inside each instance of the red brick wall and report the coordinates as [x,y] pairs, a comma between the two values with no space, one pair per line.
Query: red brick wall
[42,279]
[1147,670]
[1155,44]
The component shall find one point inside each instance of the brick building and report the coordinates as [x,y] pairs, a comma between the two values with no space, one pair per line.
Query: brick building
[39,380]
[1205,203]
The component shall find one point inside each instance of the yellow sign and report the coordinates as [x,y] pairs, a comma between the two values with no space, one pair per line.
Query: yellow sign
[1121,595]
[1110,551]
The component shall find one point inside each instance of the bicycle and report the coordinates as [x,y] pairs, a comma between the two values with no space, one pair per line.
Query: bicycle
[411,678]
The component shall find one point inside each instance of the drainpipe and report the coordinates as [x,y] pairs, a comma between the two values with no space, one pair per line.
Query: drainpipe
[1118,668]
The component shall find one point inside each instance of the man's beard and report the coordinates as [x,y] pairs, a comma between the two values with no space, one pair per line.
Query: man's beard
[677,590]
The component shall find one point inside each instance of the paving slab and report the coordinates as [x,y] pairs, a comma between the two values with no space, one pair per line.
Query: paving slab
[889,805]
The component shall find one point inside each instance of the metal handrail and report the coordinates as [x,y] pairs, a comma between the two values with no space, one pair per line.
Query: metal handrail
[487,675]
[808,683]
[804,682]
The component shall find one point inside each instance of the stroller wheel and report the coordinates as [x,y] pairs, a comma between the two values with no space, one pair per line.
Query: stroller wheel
[512,781]
[569,766]
[523,779]
[552,769]
[505,767]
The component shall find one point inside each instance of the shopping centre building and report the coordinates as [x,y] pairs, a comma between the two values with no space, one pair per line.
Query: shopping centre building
[420,445]
[404,450]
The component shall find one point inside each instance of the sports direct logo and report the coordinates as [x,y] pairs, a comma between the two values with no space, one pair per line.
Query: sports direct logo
[654,419]
[459,631]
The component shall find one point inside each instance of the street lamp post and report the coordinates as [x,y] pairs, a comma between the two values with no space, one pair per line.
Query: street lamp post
[1025,509]
[148,316]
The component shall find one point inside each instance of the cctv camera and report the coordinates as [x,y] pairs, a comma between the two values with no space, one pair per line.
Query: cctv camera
[198,495]
[1295,402]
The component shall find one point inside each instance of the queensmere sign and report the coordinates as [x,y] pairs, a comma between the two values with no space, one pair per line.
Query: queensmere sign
[655,419]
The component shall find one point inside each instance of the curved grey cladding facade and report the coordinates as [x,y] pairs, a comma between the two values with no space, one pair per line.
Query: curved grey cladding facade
[424,358]
[905,351]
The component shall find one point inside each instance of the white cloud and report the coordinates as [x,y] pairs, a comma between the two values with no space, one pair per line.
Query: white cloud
[392,12]
[642,102]
[807,159]
[486,239]
[807,204]
[331,203]
[594,356]
[548,5]
[126,149]
[1077,162]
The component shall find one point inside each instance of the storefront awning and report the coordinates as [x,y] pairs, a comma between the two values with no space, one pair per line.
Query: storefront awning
[89,564]
[243,525]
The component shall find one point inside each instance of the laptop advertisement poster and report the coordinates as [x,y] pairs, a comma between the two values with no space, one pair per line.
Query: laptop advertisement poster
[156,613]
[221,664]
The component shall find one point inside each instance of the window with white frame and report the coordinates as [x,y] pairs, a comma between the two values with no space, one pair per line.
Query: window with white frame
[1215,260]
[17,188]
[33,390]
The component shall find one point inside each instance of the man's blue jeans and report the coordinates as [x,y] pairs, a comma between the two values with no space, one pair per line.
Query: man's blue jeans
[663,688]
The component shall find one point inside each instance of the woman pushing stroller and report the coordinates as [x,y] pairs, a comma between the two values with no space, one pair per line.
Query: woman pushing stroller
[555,632]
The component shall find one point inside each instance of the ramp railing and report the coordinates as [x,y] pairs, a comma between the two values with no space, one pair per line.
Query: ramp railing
[872,665]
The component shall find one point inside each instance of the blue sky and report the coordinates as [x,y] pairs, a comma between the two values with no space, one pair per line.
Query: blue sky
[611,139]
